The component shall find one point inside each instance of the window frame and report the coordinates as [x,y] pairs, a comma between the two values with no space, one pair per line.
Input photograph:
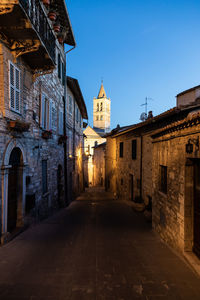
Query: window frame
[70,104]
[134,149]
[60,122]
[121,149]
[59,66]
[13,86]
[46,105]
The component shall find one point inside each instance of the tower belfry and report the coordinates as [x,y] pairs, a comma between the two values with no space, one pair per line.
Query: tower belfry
[101,111]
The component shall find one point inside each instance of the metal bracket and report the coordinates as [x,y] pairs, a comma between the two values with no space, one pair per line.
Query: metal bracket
[22,47]
[7,8]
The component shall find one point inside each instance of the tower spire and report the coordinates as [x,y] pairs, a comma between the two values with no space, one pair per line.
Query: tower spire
[102,93]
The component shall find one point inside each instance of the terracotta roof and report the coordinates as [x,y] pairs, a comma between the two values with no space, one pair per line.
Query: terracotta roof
[73,84]
[165,115]
[102,93]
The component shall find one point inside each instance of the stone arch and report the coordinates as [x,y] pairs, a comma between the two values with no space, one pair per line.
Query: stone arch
[5,170]
[11,145]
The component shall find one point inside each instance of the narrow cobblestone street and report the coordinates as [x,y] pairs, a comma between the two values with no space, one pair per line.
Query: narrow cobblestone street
[97,248]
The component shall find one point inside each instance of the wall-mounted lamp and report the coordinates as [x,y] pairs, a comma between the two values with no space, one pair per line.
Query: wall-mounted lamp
[189,145]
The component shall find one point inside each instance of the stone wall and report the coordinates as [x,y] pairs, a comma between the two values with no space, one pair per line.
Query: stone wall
[125,168]
[75,148]
[34,147]
[173,211]
[99,165]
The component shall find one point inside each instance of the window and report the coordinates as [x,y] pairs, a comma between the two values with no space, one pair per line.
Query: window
[121,149]
[59,66]
[44,177]
[63,74]
[101,118]
[80,118]
[101,106]
[46,113]
[14,82]
[70,142]
[70,105]
[97,118]
[60,129]
[77,115]
[163,179]
[134,149]
[97,106]
[53,116]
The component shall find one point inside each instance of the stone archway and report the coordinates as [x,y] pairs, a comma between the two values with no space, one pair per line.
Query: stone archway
[14,162]
[15,189]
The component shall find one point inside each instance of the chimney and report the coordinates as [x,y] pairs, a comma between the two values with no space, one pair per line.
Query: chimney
[150,114]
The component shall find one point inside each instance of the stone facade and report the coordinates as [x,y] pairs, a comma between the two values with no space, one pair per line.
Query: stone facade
[91,139]
[31,129]
[163,171]
[76,112]
[128,176]
[173,210]
[99,164]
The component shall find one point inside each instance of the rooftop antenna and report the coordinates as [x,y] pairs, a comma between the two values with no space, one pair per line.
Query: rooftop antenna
[102,80]
[143,116]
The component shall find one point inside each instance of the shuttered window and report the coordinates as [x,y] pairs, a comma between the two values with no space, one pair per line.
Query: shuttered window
[60,122]
[59,66]
[54,116]
[63,74]
[70,104]
[77,114]
[14,84]
[46,113]
[70,146]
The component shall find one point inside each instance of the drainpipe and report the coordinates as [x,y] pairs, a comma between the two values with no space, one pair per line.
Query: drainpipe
[141,158]
[65,129]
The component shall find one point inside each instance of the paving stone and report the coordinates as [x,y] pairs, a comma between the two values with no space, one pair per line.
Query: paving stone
[93,252]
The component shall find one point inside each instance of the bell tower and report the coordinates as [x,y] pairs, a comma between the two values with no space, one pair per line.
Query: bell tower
[101,111]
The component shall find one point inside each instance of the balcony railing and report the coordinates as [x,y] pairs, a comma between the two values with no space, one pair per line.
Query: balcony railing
[40,23]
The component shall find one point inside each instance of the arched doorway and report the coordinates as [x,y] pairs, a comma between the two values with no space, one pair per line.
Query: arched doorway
[15,189]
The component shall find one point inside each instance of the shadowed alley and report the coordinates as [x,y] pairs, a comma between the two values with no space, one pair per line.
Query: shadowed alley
[97,248]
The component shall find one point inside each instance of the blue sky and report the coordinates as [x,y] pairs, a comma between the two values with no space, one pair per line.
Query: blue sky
[141,49]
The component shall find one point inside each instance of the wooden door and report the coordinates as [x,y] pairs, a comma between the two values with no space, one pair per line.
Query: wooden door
[14,188]
[196,245]
[12,198]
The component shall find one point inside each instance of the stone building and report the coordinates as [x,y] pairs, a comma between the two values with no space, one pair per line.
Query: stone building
[95,136]
[99,164]
[32,110]
[176,174]
[128,162]
[158,162]
[76,112]
[129,152]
